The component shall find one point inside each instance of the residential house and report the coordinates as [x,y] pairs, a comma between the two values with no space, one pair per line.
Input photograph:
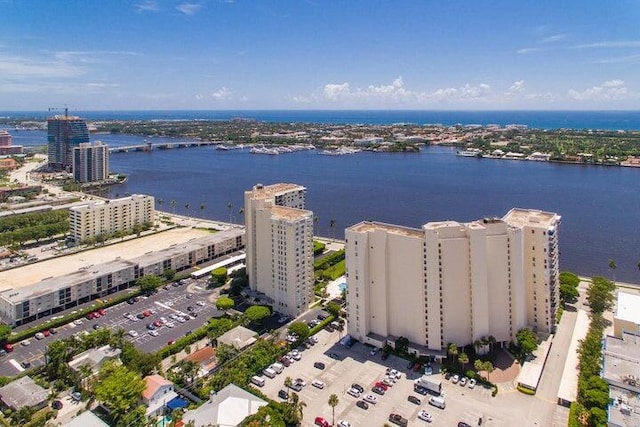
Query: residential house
[23,393]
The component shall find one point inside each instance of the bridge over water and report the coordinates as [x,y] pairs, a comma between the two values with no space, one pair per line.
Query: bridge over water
[162,146]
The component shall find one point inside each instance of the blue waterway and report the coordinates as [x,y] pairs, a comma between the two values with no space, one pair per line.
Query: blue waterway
[612,120]
[599,205]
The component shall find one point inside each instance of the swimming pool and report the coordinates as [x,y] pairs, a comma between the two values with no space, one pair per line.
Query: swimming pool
[342,286]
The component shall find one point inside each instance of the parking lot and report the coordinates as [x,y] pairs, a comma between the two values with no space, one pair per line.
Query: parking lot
[168,300]
[357,365]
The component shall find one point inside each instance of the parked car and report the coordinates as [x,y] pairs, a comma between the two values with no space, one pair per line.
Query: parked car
[319,365]
[455,379]
[39,336]
[381,385]
[343,423]
[8,348]
[463,381]
[398,419]
[26,364]
[378,390]
[154,333]
[140,316]
[362,404]
[369,398]
[283,394]
[296,386]
[420,390]
[414,400]
[25,343]
[319,421]
[76,396]
[472,383]
[151,326]
[133,333]
[53,330]
[463,424]
[334,356]
[353,392]
[425,416]
[358,387]
[318,384]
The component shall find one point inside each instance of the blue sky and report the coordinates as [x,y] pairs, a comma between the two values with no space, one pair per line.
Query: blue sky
[319,54]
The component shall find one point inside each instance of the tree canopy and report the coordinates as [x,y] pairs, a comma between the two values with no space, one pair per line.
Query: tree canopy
[149,283]
[224,303]
[527,341]
[256,313]
[119,389]
[333,309]
[301,329]
[600,294]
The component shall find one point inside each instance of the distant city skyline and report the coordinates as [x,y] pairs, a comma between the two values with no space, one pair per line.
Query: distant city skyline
[313,54]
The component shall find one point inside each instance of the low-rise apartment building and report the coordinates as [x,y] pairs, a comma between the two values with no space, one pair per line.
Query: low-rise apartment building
[106,217]
[25,302]
[451,282]
[279,234]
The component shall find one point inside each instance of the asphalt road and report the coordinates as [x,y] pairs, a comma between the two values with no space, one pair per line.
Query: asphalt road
[166,301]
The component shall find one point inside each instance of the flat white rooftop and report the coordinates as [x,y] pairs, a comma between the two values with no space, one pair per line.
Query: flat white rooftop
[568,391]
[628,307]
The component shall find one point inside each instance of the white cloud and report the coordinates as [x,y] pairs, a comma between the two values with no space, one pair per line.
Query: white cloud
[335,91]
[609,44]
[466,92]
[222,94]
[515,88]
[147,6]
[22,67]
[610,90]
[188,8]
[527,50]
[554,38]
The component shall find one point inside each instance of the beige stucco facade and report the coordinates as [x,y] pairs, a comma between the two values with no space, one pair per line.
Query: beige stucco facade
[451,282]
[279,246]
[103,218]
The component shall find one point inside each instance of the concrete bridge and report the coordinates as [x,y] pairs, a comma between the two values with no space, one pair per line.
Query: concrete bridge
[162,146]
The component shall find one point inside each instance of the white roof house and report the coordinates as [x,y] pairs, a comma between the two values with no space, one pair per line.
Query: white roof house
[238,337]
[225,409]
[627,317]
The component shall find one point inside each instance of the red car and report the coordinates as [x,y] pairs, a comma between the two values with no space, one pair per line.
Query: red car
[102,311]
[157,323]
[382,385]
[90,316]
[96,315]
[46,333]
[8,348]
[146,313]
[321,422]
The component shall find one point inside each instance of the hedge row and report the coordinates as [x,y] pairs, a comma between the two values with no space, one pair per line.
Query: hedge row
[329,260]
[320,326]
[318,247]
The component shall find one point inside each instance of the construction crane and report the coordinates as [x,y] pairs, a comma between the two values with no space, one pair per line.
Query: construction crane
[66,109]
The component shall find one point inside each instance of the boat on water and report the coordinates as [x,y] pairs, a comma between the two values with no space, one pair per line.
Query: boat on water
[264,150]
[471,152]
[341,151]
[229,147]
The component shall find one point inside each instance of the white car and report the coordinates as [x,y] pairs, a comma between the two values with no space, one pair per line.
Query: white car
[374,351]
[133,333]
[77,322]
[154,333]
[463,381]
[472,383]
[300,381]
[354,392]
[371,399]
[455,378]
[173,316]
[39,336]
[425,416]
[343,423]
[180,319]
[318,384]
[25,343]
[163,319]
[169,324]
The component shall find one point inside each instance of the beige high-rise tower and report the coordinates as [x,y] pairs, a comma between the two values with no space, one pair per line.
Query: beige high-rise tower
[451,282]
[279,245]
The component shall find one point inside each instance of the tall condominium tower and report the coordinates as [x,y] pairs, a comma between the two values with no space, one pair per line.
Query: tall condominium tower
[451,282]
[279,245]
[91,162]
[64,133]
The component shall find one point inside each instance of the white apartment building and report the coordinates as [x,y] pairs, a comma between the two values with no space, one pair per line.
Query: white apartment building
[103,218]
[279,245]
[451,282]
[91,162]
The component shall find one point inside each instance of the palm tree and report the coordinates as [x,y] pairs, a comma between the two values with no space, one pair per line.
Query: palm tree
[173,204]
[332,227]
[288,383]
[488,366]
[612,267]
[452,349]
[492,342]
[241,214]
[230,207]
[464,359]
[202,207]
[187,206]
[297,407]
[477,344]
[333,402]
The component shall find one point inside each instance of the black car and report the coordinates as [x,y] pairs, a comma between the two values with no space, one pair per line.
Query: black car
[378,390]
[334,356]
[319,365]
[140,316]
[463,424]
[358,387]
[56,404]
[283,394]
[420,390]
[362,404]
[96,326]
[190,308]
[414,400]
[26,364]
[151,327]
[130,301]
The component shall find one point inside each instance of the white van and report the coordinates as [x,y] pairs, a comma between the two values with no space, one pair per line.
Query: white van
[257,380]
[437,401]
[269,373]
[278,367]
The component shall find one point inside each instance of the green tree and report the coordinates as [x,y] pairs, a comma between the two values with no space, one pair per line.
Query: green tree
[453,351]
[333,309]
[219,277]
[225,353]
[301,329]
[169,274]
[569,278]
[134,417]
[488,366]
[612,267]
[568,293]
[402,345]
[5,331]
[224,303]
[332,227]
[148,283]
[478,365]
[257,313]
[333,402]
[119,389]
[288,383]
[463,358]
[600,295]
[527,341]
